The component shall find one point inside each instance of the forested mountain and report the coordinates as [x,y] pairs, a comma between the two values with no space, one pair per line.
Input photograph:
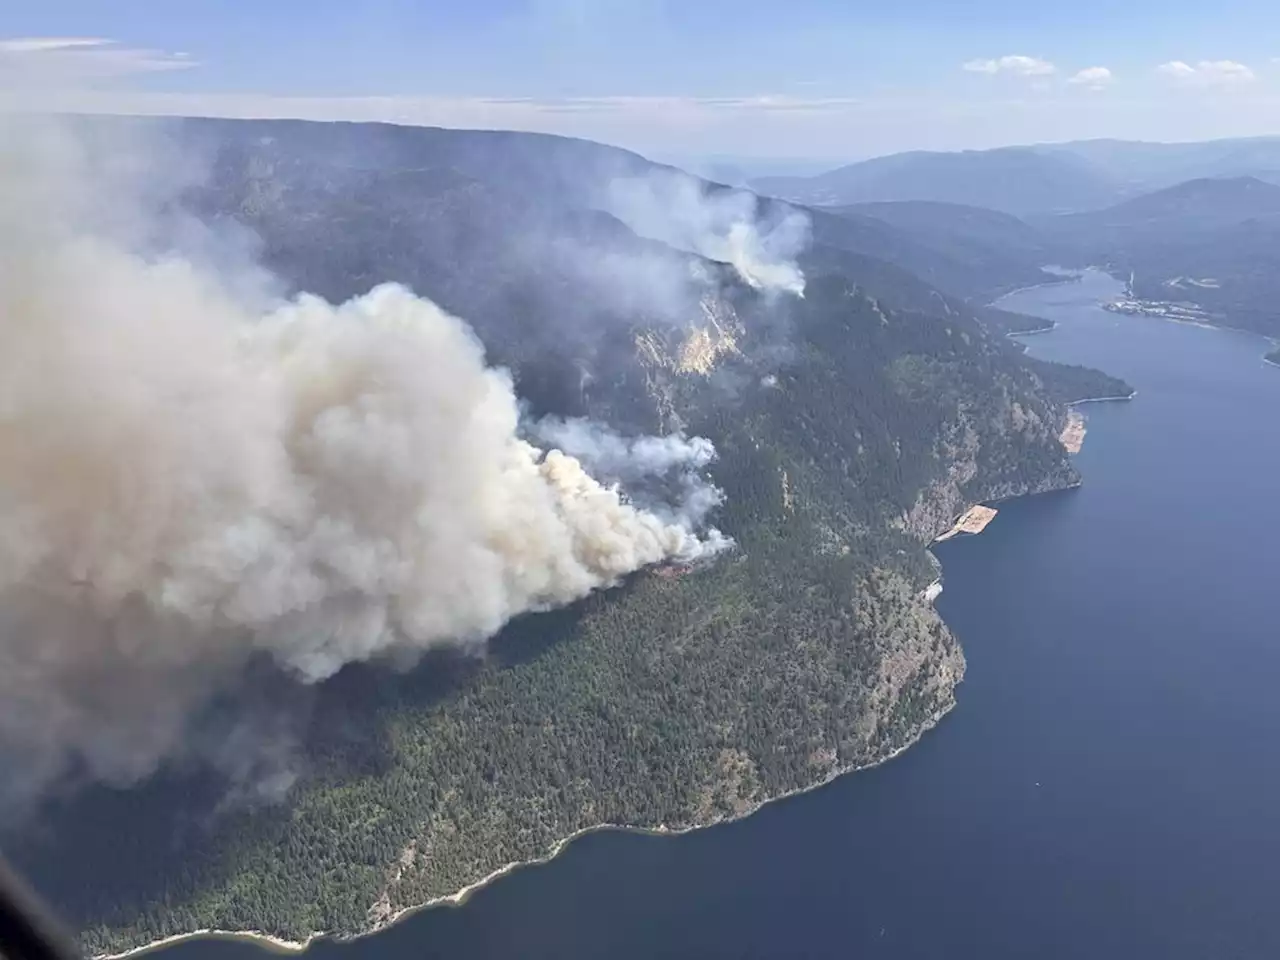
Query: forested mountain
[1196,206]
[1138,167]
[947,250]
[852,425]
[1071,384]
[1040,179]
[995,251]
[1014,180]
[1210,241]
[1214,243]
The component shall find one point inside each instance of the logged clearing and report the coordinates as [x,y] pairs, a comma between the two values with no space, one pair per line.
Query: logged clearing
[1072,436]
[973,520]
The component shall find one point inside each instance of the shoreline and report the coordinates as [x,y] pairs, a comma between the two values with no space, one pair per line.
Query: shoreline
[1017,334]
[263,941]
[970,523]
[270,943]
[1067,276]
[1076,403]
[274,944]
[1205,323]
[1073,276]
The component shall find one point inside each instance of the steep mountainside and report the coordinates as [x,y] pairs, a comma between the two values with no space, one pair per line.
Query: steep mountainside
[548,176]
[995,252]
[852,425]
[946,250]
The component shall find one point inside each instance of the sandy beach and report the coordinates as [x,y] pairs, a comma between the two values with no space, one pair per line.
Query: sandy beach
[264,941]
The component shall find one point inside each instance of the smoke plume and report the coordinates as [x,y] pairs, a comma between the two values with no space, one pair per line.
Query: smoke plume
[659,473]
[187,483]
[723,225]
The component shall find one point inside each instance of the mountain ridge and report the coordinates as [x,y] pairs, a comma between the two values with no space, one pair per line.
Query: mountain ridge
[851,425]
[1035,179]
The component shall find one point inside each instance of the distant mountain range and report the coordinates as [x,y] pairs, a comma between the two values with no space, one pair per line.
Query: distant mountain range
[1052,178]
[1209,242]
[527,205]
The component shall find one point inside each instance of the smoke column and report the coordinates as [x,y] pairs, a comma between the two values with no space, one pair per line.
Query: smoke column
[681,211]
[187,482]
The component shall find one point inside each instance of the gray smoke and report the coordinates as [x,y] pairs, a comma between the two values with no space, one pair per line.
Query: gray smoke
[609,454]
[661,474]
[187,483]
[719,224]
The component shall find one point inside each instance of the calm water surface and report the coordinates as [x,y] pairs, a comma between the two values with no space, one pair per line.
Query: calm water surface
[1109,784]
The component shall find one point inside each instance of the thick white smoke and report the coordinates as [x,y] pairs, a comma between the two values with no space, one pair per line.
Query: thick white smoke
[186,483]
[661,473]
[609,453]
[722,225]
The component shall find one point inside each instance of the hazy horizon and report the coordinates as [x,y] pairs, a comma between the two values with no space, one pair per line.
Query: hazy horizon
[818,82]
[754,166]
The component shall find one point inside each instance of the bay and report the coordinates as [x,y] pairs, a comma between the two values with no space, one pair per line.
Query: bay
[1108,785]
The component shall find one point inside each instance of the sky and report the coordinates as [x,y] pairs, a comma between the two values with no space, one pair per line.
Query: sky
[820,80]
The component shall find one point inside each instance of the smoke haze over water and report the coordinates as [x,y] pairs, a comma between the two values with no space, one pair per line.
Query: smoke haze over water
[188,481]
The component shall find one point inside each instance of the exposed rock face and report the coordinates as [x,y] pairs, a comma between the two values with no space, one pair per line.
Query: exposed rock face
[964,483]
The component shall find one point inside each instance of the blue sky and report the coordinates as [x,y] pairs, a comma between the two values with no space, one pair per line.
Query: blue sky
[804,78]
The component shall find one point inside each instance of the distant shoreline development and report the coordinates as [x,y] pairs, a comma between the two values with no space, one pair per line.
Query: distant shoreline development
[1166,310]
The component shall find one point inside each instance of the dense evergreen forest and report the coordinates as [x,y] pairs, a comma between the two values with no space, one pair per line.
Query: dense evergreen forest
[1069,383]
[850,430]
[1012,324]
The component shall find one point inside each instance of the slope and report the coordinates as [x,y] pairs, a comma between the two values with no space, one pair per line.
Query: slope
[1017,180]
[850,432]
[1140,167]
[954,264]
[1212,243]
[997,251]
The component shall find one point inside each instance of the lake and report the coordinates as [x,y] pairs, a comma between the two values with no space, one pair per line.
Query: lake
[1108,784]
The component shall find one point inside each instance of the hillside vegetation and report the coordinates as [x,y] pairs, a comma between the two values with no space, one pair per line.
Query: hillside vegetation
[852,425]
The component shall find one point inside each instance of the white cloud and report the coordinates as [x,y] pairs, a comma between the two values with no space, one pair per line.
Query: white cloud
[81,58]
[1092,78]
[1207,73]
[1018,64]
[49,44]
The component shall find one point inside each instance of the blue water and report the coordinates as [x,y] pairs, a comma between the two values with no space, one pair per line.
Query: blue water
[1108,785]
